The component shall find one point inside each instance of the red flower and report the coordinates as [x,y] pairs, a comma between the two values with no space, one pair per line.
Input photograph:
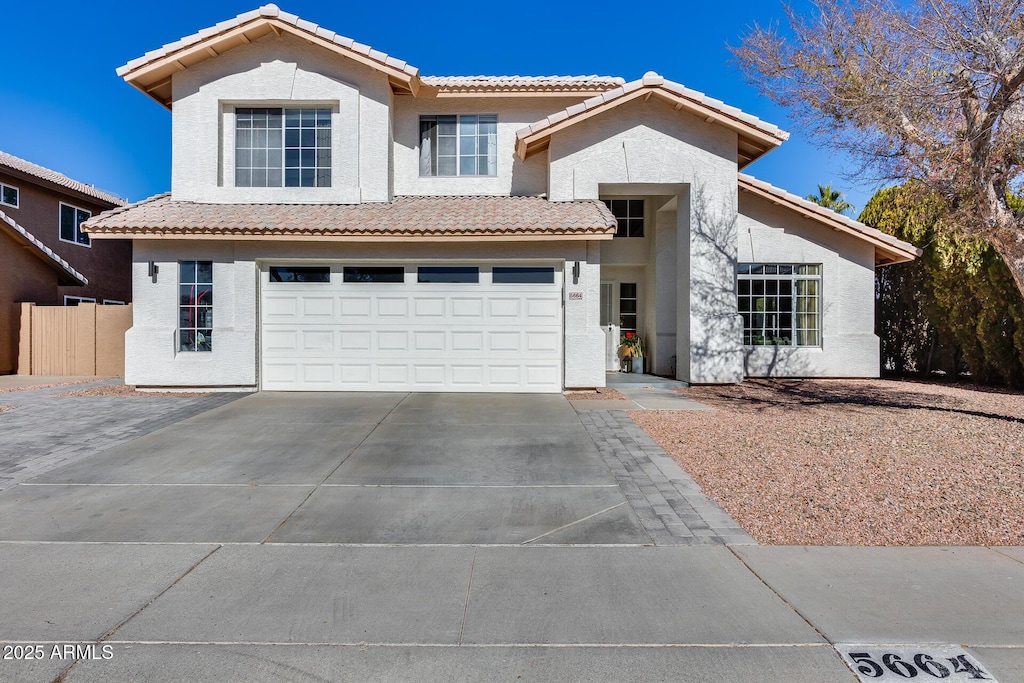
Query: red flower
[630,335]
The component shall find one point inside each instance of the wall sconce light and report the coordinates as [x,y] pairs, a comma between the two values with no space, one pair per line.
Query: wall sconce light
[576,273]
[153,270]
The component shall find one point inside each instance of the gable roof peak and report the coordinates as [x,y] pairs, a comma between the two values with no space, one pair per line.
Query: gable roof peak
[652,78]
[153,72]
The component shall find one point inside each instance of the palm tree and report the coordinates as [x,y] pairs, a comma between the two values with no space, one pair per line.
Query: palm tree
[830,199]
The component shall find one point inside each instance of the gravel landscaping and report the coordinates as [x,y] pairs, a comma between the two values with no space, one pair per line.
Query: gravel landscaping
[602,394]
[128,390]
[855,462]
[33,387]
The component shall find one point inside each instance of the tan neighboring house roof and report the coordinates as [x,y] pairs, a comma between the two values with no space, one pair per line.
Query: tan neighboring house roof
[888,249]
[410,218]
[152,72]
[65,273]
[36,171]
[482,86]
[756,137]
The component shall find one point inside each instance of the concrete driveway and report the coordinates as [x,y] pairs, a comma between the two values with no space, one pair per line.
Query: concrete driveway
[437,537]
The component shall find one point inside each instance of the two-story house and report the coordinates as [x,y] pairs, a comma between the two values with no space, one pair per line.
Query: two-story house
[337,221]
[45,256]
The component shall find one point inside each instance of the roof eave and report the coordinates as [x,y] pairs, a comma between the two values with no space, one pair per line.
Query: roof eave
[154,77]
[886,253]
[752,144]
[66,275]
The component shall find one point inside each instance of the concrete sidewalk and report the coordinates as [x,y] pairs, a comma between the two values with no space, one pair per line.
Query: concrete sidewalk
[326,612]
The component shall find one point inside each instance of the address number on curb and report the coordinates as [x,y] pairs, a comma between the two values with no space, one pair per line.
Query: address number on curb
[924,663]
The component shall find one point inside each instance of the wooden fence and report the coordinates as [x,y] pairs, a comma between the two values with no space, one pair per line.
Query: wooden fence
[73,340]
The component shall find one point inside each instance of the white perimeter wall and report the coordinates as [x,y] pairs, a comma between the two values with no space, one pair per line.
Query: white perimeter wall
[772,234]
[152,358]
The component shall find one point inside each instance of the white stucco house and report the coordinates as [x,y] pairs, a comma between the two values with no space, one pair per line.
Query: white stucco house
[337,221]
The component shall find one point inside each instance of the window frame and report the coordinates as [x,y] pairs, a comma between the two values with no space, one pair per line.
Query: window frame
[194,307]
[523,270]
[458,156]
[353,275]
[435,275]
[793,277]
[318,172]
[629,217]
[78,299]
[17,195]
[636,306]
[299,270]
[78,225]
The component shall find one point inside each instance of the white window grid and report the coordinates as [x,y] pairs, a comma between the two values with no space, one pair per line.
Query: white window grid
[454,145]
[195,305]
[628,300]
[9,195]
[629,213]
[780,304]
[280,147]
[69,225]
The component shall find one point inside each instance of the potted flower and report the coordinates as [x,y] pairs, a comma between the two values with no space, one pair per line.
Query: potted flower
[633,348]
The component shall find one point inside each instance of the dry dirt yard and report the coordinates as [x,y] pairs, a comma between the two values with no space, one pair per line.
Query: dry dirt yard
[855,462]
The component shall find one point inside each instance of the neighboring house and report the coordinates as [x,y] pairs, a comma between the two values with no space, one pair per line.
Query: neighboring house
[45,256]
[338,222]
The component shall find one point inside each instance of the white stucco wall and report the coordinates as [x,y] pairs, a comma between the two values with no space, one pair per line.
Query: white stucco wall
[849,348]
[514,177]
[651,144]
[151,343]
[280,71]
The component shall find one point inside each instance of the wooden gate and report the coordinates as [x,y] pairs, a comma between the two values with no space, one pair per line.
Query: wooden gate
[73,340]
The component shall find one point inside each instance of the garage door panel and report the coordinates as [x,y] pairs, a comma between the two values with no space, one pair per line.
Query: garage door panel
[319,341]
[411,336]
[355,340]
[317,308]
[430,308]
[504,341]
[430,341]
[318,374]
[393,307]
[467,341]
[467,308]
[355,307]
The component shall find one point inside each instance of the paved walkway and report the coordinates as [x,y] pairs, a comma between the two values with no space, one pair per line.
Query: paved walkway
[43,432]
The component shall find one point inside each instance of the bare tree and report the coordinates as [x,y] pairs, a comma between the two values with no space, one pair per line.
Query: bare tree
[925,89]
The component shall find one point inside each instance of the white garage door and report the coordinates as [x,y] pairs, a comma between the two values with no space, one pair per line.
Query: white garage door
[423,327]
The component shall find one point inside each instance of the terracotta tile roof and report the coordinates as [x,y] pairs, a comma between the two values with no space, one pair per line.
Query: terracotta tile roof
[37,171]
[68,275]
[270,10]
[522,83]
[410,217]
[151,72]
[888,249]
[533,137]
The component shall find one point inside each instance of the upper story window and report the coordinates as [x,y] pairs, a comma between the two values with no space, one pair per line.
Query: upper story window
[630,215]
[459,145]
[71,219]
[282,147]
[8,195]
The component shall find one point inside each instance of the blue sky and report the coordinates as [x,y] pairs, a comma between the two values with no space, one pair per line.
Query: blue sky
[62,105]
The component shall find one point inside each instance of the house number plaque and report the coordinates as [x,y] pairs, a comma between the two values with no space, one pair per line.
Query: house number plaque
[922,662]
